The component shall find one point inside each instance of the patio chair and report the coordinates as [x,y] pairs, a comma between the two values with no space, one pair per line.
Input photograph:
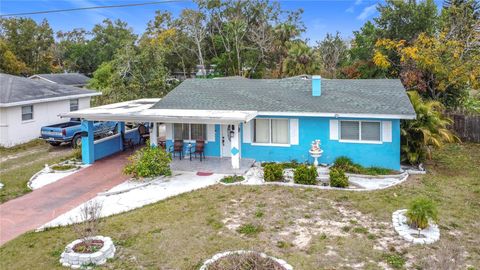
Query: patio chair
[177,147]
[144,134]
[199,150]
[127,143]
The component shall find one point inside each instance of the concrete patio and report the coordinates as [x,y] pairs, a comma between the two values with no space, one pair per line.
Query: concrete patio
[211,165]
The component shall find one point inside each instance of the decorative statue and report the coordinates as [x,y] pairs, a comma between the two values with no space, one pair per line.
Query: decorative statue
[315,151]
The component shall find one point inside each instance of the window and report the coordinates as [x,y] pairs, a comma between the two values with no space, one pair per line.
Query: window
[73,105]
[27,113]
[190,132]
[360,131]
[272,131]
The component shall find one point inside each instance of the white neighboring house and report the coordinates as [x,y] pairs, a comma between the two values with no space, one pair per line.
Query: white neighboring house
[27,105]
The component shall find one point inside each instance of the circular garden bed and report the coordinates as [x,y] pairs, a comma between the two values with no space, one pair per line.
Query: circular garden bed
[244,259]
[93,251]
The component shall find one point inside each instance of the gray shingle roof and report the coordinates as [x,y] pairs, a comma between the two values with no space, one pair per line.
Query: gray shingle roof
[368,96]
[17,89]
[65,78]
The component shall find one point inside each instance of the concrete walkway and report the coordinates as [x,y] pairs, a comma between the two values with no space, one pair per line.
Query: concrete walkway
[34,209]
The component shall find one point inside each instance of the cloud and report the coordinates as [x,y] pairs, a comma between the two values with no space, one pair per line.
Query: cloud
[367,12]
[351,9]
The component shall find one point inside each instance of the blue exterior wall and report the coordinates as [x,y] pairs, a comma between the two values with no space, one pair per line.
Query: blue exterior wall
[386,154]
[95,150]
[212,149]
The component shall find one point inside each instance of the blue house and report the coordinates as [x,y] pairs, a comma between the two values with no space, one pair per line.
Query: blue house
[274,119]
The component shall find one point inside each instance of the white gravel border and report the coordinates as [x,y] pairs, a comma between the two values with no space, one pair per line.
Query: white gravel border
[218,256]
[45,177]
[431,233]
[74,260]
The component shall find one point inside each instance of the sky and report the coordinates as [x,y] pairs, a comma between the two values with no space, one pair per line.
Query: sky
[320,16]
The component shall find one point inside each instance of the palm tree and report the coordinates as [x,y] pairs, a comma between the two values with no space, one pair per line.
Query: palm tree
[428,131]
[300,60]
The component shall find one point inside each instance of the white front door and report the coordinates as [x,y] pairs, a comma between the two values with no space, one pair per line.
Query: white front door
[226,148]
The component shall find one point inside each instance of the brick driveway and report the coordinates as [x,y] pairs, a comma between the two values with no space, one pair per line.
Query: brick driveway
[36,208]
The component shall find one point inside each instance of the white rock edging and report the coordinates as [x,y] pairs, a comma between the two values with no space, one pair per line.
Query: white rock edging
[74,260]
[218,256]
[430,234]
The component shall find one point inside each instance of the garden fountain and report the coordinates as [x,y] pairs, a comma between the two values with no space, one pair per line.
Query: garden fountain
[315,151]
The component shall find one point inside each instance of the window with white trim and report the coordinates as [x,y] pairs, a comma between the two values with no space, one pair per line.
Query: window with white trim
[27,113]
[194,132]
[73,105]
[360,131]
[271,131]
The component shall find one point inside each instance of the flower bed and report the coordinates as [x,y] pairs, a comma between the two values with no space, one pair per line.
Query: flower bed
[426,236]
[232,179]
[232,260]
[79,253]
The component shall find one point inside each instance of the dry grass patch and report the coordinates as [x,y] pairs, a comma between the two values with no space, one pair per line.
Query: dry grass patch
[302,226]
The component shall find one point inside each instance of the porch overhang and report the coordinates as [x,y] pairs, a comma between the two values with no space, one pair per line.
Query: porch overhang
[139,111]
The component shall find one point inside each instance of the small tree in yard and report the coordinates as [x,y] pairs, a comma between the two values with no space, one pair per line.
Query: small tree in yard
[420,211]
[149,162]
[90,216]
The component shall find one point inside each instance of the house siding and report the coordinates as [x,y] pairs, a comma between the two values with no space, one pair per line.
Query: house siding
[14,131]
[385,154]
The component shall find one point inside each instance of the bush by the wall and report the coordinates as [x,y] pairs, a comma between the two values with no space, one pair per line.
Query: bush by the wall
[338,178]
[273,172]
[420,211]
[305,175]
[149,162]
[347,165]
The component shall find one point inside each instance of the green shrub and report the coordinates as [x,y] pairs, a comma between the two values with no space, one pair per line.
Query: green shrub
[250,229]
[346,164]
[273,172]
[77,153]
[306,175]
[149,162]
[420,211]
[285,165]
[232,179]
[343,162]
[338,178]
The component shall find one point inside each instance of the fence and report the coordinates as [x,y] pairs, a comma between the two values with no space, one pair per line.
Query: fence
[467,127]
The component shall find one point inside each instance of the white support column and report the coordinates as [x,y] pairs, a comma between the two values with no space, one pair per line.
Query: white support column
[235,147]
[154,135]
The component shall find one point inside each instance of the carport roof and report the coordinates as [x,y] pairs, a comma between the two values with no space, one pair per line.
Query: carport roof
[140,111]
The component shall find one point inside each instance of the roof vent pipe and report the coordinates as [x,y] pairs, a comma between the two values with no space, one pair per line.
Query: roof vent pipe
[316,85]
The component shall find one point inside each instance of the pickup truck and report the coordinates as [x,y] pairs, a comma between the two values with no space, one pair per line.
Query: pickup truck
[70,132]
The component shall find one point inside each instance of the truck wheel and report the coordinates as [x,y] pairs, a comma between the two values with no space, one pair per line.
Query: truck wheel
[54,143]
[77,141]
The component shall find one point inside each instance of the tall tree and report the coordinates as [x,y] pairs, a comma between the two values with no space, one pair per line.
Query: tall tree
[9,63]
[108,37]
[332,50]
[30,42]
[301,59]
[407,19]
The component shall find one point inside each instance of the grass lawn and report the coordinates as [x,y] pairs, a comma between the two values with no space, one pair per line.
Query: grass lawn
[21,162]
[309,228]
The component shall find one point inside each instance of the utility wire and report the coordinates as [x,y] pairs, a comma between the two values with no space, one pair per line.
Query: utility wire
[88,8]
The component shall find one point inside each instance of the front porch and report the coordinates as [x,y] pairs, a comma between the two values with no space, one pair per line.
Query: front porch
[221,165]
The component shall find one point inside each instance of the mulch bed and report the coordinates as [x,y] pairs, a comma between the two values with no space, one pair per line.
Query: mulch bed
[91,246]
[245,261]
